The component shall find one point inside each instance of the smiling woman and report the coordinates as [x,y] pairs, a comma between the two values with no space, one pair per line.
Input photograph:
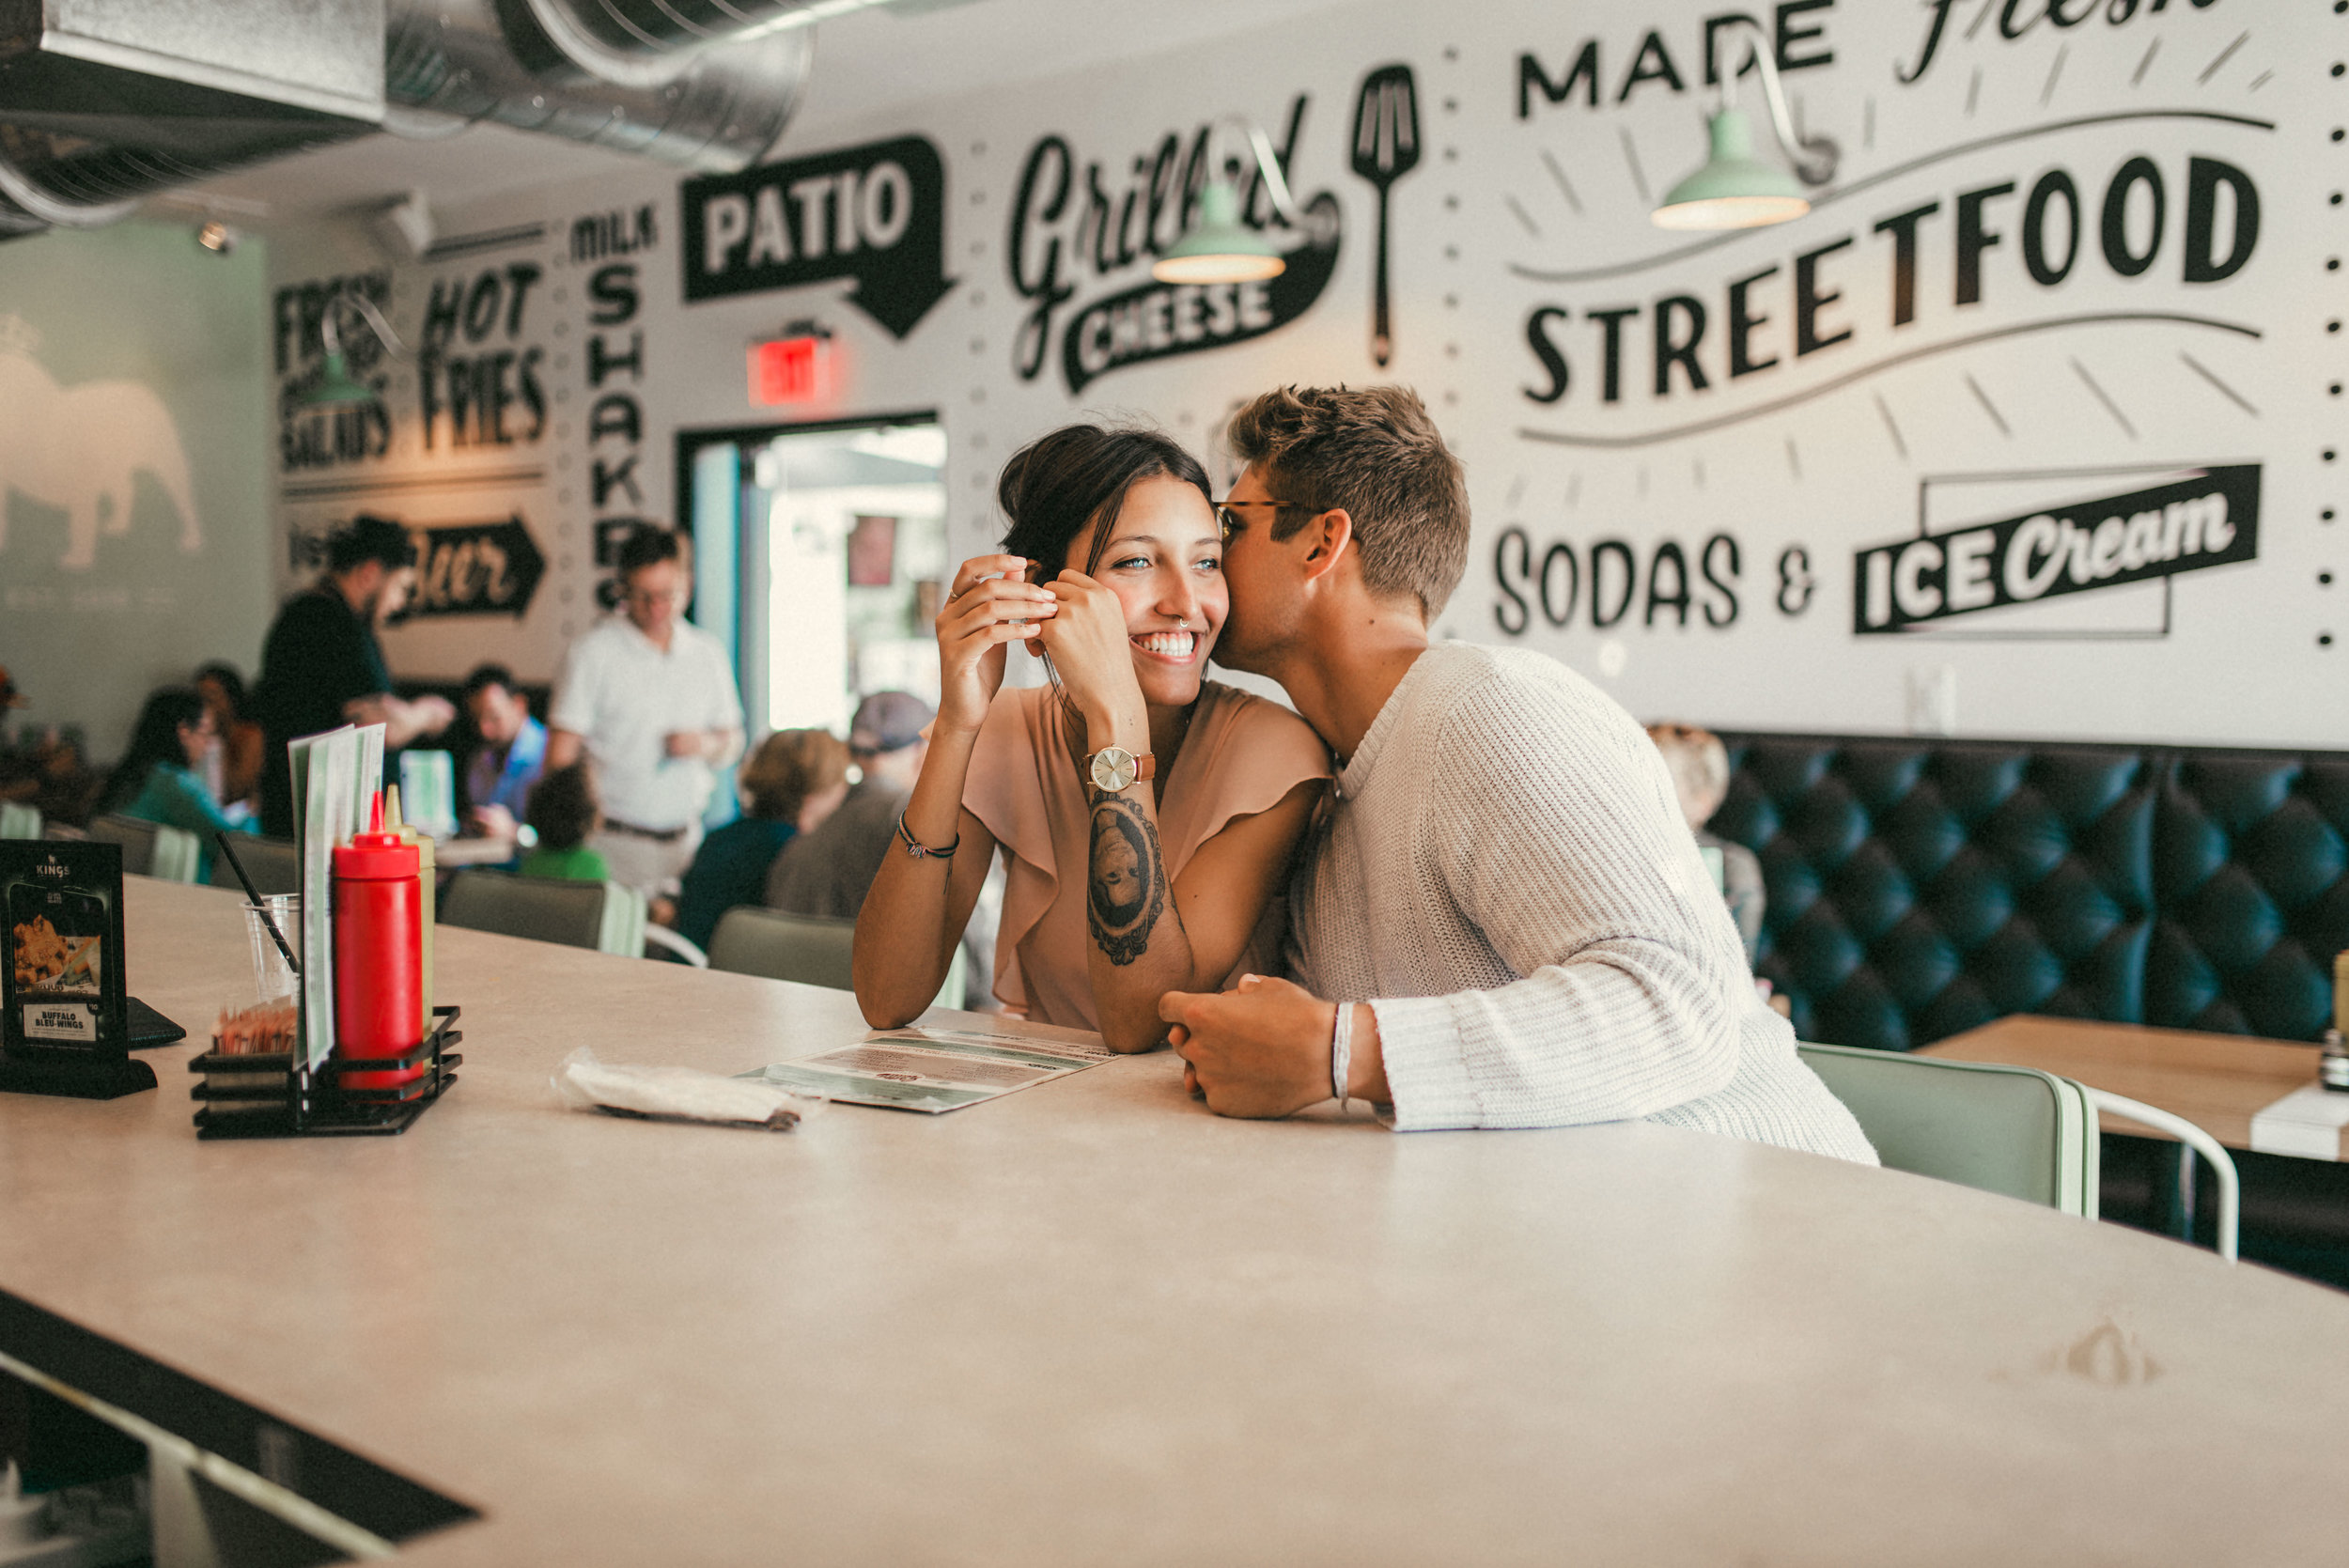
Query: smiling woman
[1147,815]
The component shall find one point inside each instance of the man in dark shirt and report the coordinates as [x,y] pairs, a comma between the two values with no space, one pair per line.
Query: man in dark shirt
[321,665]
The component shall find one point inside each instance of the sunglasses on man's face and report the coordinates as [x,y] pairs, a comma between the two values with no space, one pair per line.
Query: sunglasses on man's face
[1228,520]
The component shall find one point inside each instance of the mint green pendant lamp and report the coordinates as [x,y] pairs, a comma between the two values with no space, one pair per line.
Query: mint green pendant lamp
[1735,189]
[1217,247]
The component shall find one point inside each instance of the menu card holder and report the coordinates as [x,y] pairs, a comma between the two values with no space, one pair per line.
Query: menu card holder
[64,1028]
[88,1078]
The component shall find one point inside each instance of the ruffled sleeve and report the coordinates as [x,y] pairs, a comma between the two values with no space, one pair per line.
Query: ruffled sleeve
[1243,756]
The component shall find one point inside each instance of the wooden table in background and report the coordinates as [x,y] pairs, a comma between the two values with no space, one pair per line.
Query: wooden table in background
[2216,1081]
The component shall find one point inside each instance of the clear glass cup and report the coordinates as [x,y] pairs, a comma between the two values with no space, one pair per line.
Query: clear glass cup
[273,977]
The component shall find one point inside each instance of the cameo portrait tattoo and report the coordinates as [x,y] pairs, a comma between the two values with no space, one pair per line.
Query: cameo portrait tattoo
[1126,891]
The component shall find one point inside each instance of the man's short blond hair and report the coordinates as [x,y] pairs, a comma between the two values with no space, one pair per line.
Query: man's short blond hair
[1375,452]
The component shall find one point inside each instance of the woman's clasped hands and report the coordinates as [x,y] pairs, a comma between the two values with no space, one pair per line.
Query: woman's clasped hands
[992,603]
[1091,653]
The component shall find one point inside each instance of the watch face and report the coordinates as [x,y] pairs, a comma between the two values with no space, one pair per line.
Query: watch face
[1112,768]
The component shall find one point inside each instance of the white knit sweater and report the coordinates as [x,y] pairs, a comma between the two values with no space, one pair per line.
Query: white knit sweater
[1507,879]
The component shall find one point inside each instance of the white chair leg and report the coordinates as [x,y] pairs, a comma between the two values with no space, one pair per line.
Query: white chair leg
[668,941]
[2230,1185]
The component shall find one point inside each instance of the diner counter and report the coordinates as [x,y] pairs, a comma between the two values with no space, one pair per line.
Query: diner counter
[1091,1323]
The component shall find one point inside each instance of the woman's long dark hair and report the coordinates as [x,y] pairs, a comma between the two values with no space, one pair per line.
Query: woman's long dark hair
[231,685]
[154,739]
[1058,484]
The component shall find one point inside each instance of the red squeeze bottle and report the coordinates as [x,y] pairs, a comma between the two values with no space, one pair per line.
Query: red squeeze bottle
[378,952]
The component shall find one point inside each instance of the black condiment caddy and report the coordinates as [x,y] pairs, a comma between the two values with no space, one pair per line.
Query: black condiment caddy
[269,1095]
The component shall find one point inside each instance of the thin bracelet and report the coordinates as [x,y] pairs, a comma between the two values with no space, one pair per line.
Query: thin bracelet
[1341,1051]
[920,852]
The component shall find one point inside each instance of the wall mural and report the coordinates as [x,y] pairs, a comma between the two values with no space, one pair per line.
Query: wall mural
[2053,359]
[81,449]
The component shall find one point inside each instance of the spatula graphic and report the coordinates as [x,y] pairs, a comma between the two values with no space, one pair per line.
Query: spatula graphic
[1385,147]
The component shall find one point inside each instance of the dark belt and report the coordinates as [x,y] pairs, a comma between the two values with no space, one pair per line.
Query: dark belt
[659,835]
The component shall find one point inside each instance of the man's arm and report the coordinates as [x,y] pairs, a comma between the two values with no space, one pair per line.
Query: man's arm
[564,748]
[1563,846]
[717,746]
[1265,1049]
[404,720]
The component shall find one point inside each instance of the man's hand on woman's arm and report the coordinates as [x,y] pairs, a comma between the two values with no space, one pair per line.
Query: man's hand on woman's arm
[1263,1050]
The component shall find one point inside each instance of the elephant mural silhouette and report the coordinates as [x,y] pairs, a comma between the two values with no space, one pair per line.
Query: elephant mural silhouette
[81,449]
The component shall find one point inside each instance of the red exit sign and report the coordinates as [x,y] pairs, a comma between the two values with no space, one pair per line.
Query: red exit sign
[790,370]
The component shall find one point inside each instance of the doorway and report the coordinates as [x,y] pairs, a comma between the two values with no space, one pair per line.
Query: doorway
[823,552]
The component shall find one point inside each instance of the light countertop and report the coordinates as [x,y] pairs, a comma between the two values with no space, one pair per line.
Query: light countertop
[1091,1323]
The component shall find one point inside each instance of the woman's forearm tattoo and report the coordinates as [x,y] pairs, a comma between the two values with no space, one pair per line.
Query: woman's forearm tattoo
[1126,890]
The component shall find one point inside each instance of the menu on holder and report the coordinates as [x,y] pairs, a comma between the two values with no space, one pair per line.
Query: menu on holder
[64,1028]
[334,775]
[65,983]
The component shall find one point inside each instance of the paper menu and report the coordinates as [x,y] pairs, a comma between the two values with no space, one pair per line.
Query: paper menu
[934,1070]
[336,775]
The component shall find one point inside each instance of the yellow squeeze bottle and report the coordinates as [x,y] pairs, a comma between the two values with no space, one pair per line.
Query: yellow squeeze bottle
[425,886]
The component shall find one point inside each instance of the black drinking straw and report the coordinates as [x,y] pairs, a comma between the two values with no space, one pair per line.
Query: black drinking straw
[259,904]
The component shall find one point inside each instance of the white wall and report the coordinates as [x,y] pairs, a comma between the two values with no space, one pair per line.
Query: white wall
[135,535]
[1521,218]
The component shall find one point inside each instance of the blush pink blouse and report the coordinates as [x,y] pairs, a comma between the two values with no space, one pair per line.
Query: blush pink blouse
[1244,754]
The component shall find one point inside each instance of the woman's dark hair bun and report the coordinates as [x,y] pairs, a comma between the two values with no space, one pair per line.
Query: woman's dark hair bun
[1054,487]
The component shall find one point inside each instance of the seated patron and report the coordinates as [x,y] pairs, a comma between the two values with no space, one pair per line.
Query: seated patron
[565,811]
[1504,921]
[1700,770]
[792,782]
[828,870]
[232,765]
[157,781]
[1147,815]
[509,757]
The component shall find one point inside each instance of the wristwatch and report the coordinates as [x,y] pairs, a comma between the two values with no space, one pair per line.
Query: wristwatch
[1113,768]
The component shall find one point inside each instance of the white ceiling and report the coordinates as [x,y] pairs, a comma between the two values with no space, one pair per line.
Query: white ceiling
[866,63]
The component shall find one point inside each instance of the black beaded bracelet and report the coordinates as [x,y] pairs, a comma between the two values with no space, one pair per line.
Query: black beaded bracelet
[920,852]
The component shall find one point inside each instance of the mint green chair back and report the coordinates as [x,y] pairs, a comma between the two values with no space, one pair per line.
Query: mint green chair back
[808,949]
[151,849]
[179,856]
[2011,1131]
[137,839]
[19,820]
[603,916]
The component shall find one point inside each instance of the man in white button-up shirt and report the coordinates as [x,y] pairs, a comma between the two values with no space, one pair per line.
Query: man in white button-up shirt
[650,699]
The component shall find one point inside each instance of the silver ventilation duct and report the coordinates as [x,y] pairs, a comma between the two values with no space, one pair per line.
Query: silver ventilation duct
[451,63]
[105,102]
[639,42]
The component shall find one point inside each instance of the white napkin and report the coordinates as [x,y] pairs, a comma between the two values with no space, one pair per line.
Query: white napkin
[681,1094]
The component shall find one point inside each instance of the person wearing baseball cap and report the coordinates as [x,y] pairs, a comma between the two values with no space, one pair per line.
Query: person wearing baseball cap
[828,870]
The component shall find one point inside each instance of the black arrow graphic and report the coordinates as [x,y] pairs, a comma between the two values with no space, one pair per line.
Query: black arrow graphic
[875,214]
[474,569]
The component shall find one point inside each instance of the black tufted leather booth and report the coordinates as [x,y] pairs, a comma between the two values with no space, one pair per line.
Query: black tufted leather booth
[1919,888]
